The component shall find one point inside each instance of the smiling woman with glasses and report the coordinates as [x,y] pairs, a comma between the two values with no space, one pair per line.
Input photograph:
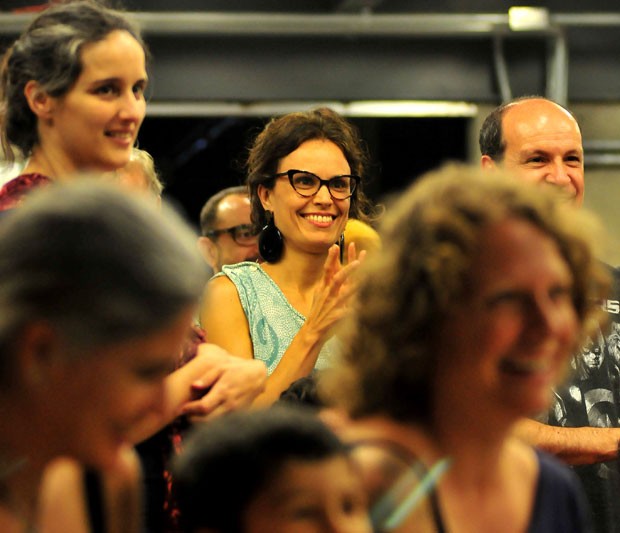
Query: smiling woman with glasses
[304,179]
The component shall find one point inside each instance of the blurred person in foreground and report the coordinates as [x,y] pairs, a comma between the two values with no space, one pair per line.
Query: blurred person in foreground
[88,334]
[280,470]
[462,326]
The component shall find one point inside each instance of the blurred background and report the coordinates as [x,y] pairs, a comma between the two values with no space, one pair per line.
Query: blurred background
[416,76]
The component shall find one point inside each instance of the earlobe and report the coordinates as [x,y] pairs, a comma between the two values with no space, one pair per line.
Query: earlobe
[39,101]
[208,250]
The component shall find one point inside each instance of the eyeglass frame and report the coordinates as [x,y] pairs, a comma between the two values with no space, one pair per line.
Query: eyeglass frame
[231,231]
[289,173]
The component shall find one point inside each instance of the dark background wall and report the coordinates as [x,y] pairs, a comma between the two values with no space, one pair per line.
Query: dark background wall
[210,54]
[199,156]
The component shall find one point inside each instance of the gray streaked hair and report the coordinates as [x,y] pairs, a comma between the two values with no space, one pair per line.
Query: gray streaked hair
[49,52]
[97,264]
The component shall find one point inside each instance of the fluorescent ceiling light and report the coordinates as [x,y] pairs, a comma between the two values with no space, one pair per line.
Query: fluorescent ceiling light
[360,108]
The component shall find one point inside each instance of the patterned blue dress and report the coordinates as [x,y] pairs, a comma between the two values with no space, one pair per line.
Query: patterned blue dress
[272,320]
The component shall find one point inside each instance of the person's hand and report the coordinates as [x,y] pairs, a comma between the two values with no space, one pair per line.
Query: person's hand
[334,293]
[231,383]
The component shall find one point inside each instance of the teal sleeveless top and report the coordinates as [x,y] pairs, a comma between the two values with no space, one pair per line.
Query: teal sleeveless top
[272,320]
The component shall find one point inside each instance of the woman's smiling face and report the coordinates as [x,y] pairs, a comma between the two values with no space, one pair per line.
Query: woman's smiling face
[95,124]
[310,223]
[513,331]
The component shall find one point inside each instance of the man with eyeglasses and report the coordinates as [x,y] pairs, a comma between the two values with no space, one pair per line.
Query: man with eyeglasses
[227,233]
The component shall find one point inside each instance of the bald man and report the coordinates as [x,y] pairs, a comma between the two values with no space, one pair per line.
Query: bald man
[540,141]
[228,236]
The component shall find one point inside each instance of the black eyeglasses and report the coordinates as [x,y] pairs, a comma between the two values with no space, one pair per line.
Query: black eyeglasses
[308,184]
[243,234]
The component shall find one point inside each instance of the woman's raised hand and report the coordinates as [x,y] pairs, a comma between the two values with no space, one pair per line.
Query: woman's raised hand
[333,294]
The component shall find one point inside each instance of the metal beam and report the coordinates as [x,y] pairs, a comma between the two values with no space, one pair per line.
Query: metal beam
[280,24]
[360,24]
[377,108]
[557,69]
[352,25]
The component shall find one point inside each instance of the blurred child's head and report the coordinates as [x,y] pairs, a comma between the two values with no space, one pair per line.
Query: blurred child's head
[272,471]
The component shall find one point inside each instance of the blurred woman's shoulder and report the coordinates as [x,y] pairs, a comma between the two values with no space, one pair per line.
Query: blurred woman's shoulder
[77,499]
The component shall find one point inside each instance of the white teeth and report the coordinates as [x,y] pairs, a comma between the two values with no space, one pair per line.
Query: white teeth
[321,219]
[119,135]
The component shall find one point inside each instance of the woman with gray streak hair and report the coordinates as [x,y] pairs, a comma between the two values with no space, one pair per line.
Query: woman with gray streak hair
[71,95]
[97,290]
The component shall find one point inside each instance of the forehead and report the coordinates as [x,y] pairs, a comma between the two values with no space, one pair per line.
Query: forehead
[591,348]
[117,55]
[320,156]
[514,250]
[534,123]
[233,202]
[312,475]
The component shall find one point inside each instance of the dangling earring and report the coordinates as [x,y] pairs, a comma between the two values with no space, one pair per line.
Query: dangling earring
[270,242]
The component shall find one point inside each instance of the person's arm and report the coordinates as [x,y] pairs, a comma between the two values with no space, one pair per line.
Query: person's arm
[575,446]
[225,323]
[211,383]
[63,501]
[223,319]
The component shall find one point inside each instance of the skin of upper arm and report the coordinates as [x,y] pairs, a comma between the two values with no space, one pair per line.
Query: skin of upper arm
[223,318]
[62,505]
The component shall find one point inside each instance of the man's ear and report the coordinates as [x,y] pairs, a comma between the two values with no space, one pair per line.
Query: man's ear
[209,252]
[264,195]
[39,101]
[487,162]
